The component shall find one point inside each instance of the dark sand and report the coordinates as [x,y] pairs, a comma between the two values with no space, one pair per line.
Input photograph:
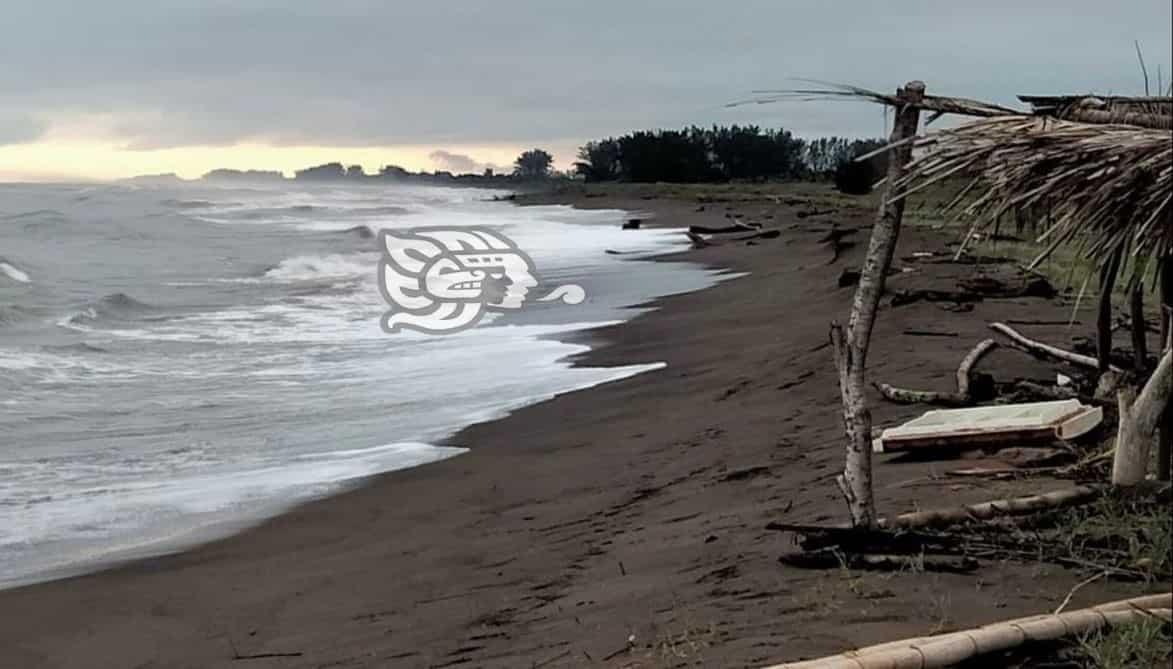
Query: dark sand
[634,510]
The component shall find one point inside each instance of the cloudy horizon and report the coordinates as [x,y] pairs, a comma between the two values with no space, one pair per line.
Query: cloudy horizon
[133,87]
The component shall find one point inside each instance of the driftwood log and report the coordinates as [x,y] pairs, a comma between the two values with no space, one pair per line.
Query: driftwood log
[1042,350]
[722,230]
[967,390]
[830,559]
[1004,507]
[947,650]
[851,343]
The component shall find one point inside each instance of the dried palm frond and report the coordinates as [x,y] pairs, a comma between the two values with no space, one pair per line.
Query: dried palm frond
[1110,185]
[936,103]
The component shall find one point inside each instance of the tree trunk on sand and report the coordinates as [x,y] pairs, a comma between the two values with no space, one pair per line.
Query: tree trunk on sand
[1139,419]
[1104,321]
[851,346]
[1165,439]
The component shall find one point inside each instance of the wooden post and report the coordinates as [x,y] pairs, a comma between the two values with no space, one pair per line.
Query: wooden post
[1104,320]
[851,346]
[1140,353]
[1165,307]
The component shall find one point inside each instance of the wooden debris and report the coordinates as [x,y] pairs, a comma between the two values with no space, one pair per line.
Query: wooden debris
[986,510]
[727,229]
[905,396]
[829,559]
[1046,350]
[977,427]
[971,388]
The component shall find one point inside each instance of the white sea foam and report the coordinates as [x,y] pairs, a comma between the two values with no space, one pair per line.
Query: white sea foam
[12,272]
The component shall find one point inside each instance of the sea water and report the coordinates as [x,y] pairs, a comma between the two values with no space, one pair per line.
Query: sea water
[179,361]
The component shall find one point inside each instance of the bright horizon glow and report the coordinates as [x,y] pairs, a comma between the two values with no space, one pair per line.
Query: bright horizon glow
[81,160]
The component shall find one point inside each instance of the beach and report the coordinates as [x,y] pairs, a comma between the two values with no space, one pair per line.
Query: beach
[623,525]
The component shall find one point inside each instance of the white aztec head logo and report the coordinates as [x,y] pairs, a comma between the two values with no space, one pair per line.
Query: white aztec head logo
[443,280]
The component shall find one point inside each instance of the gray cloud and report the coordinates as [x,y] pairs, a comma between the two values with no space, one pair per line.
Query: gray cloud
[458,163]
[20,129]
[361,72]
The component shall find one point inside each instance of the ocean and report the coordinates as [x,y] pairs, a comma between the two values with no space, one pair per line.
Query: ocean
[177,362]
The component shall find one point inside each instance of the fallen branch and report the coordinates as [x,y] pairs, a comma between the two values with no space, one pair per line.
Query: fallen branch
[1003,472]
[906,396]
[947,650]
[965,395]
[986,510]
[1075,589]
[1046,350]
[964,371]
[830,558]
[1039,391]
[736,227]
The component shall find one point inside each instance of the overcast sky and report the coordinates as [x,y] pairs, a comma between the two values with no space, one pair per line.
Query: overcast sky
[134,84]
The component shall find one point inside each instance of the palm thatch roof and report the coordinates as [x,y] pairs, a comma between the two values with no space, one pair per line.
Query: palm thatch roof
[1102,164]
[1109,186]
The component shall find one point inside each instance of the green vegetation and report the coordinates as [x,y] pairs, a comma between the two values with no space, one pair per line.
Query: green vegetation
[1144,645]
[533,164]
[721,154]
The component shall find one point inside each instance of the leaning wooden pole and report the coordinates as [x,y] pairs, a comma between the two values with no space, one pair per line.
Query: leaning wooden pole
[851,346]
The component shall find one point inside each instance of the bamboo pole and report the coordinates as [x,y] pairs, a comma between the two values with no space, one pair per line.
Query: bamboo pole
[950,649]
[851,346]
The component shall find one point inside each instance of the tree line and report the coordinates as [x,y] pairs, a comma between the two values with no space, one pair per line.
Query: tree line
[696,154]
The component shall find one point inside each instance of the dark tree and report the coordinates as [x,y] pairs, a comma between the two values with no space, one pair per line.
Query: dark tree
[599,161]
[533,164]
[854,178]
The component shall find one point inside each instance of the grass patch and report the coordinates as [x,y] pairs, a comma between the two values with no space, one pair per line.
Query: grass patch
[1122,532]
[1139,646]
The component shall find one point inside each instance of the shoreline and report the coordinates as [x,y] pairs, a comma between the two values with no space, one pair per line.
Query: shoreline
[635,507]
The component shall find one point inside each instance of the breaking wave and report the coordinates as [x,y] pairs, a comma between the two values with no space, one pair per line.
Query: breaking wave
[13,272]
[316,268]
[112,307]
